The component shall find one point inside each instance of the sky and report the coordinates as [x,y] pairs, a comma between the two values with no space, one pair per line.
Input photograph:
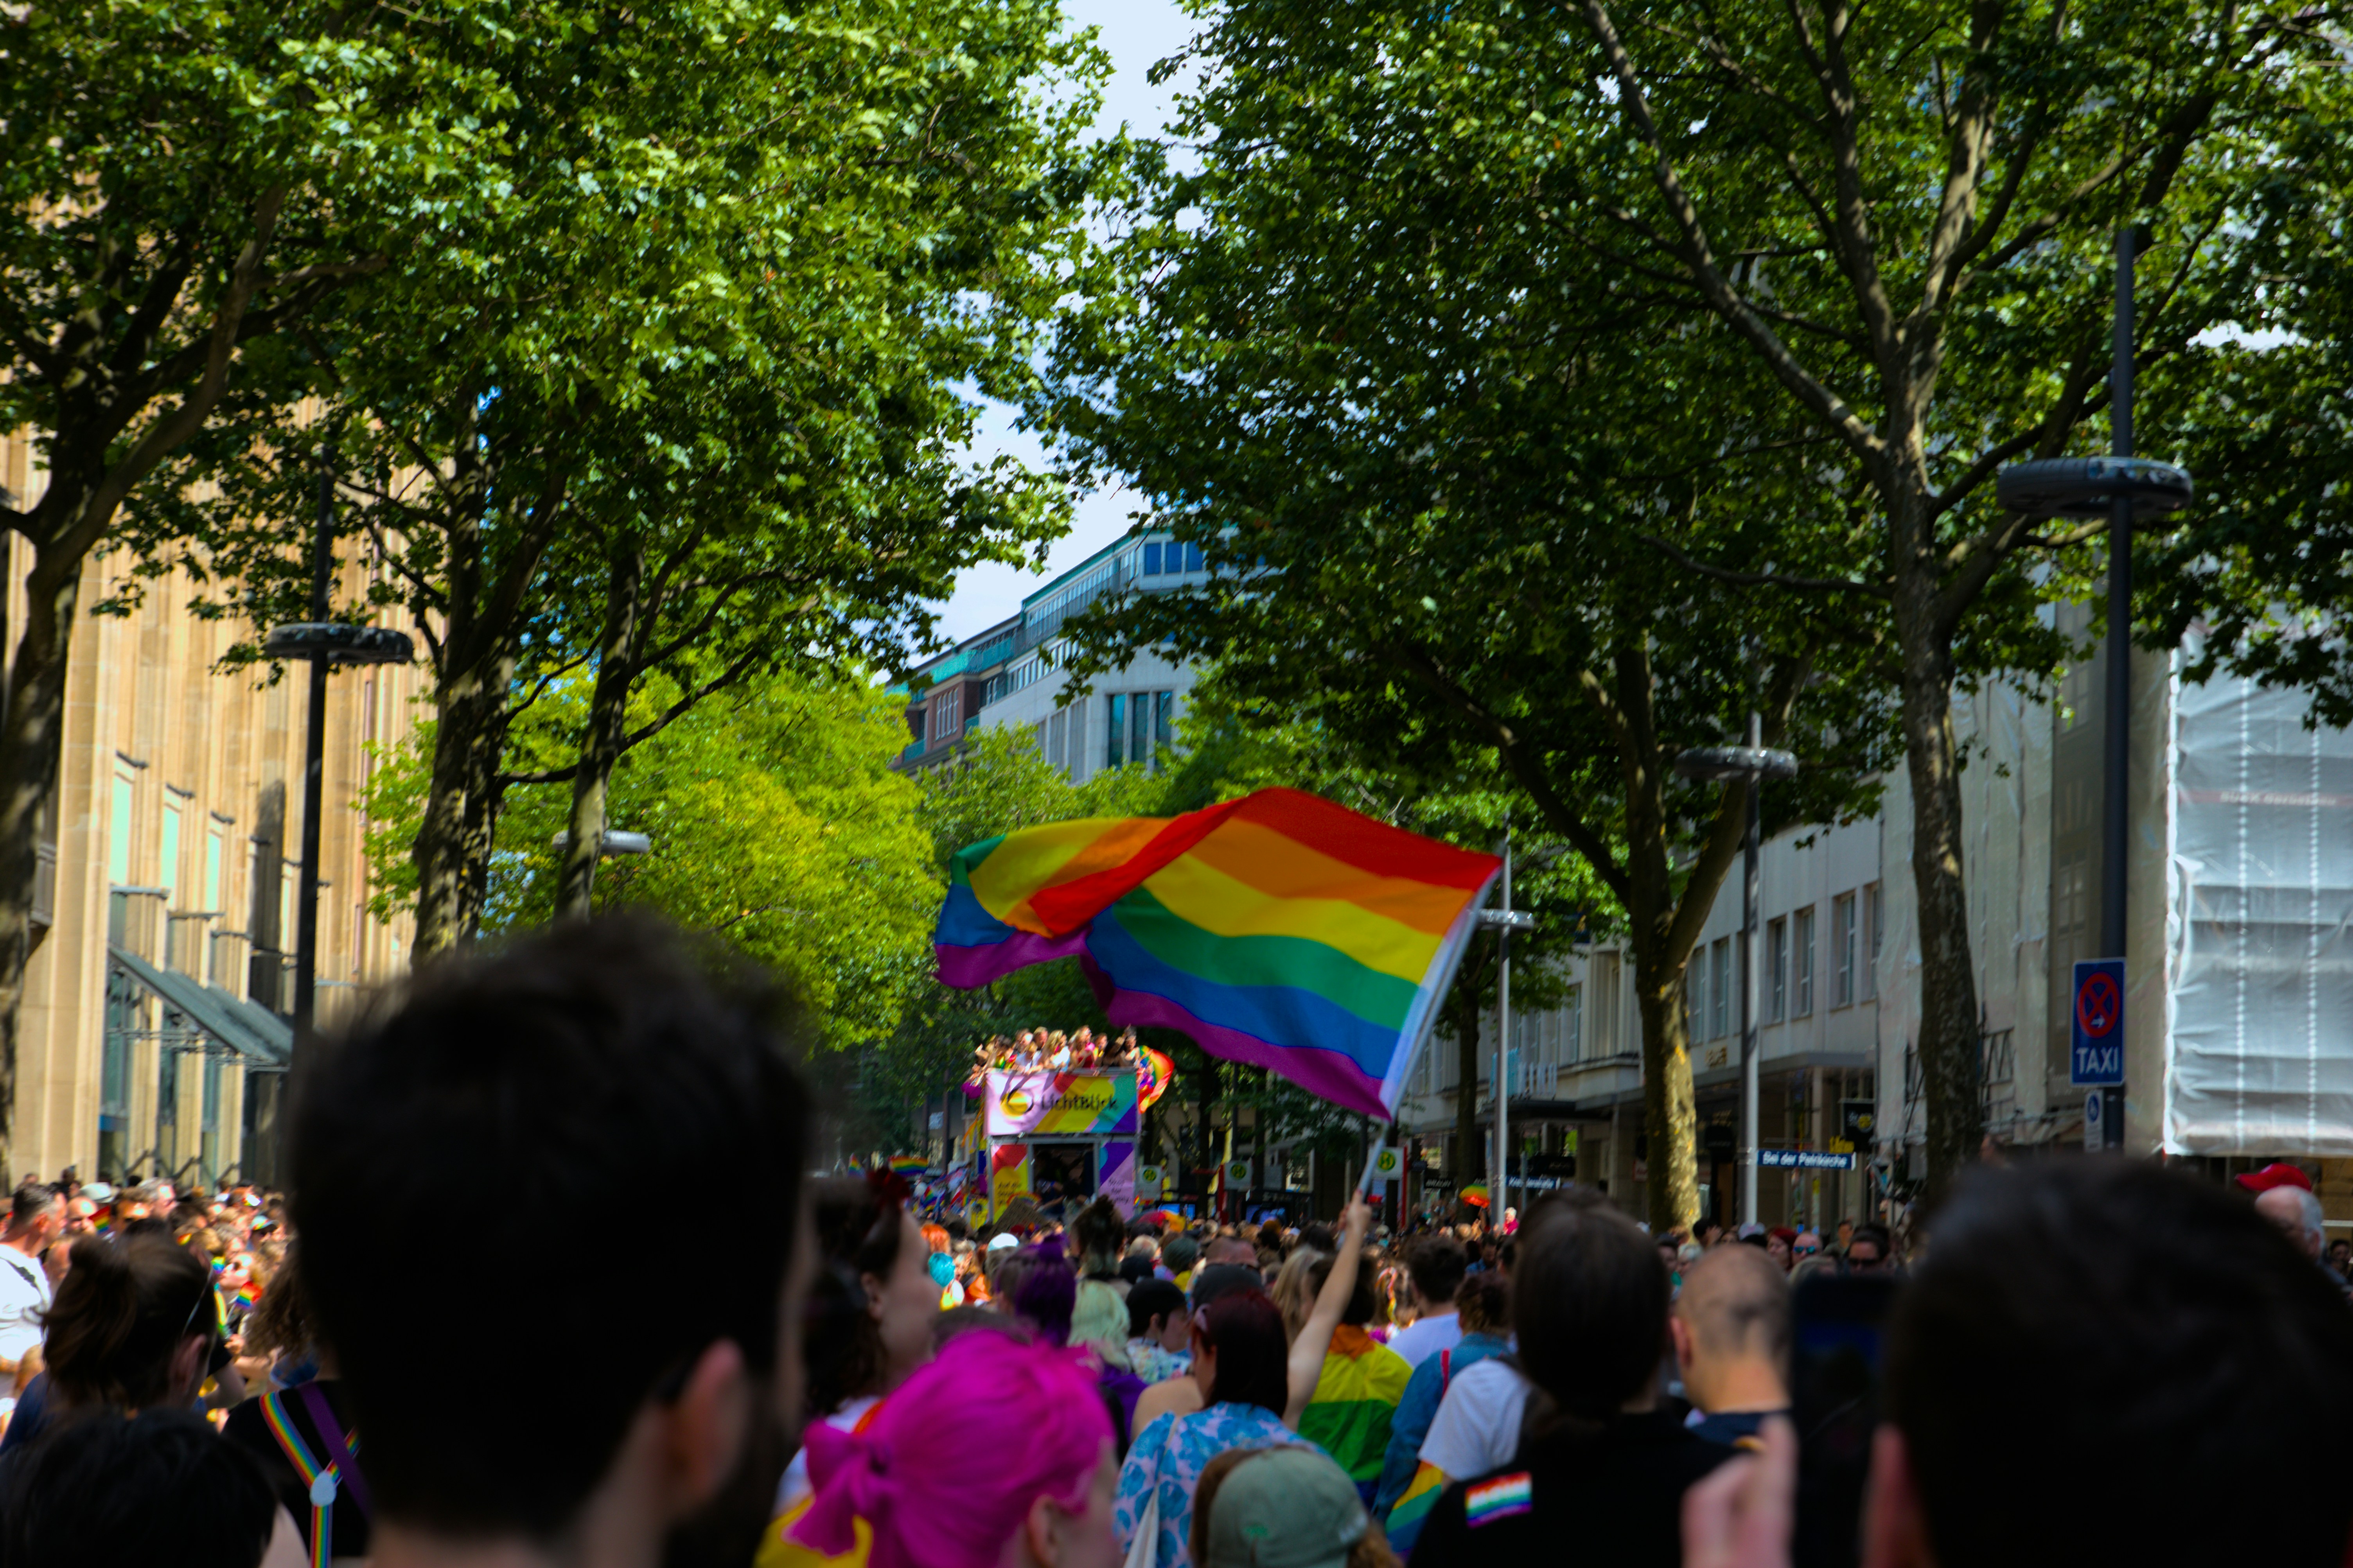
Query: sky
[1135,33]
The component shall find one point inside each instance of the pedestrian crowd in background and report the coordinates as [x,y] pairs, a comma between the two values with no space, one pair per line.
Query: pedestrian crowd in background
[813,1376]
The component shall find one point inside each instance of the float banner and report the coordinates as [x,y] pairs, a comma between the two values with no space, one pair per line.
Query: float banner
[1008,1173]
[1115,1175]
[1044,1103]
[1279,929]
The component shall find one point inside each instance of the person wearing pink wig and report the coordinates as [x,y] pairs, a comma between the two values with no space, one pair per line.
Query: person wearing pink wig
[1042,1502]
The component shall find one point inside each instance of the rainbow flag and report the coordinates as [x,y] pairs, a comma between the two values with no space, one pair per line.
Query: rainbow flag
[1154,1073]
[1408,1513]
[908,1162]
[1278,929]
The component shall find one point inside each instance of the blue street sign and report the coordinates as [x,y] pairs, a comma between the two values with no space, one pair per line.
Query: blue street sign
[2097,1024]
[1803,1160]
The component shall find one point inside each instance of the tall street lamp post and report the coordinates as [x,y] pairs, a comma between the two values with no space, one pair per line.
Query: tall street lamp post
[324,643]
[2123,489]
[1752,765]
[1504,922]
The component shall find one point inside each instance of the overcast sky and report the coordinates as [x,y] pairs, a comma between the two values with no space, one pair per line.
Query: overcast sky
[1135,33]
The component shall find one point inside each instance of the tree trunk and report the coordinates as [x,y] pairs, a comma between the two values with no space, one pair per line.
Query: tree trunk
[1469,1148]
[453,840]
[32,735]
[608,714]
[1669,1106]
[1947,1045]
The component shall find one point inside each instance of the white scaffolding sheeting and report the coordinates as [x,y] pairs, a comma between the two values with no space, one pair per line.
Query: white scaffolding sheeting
[2260,925]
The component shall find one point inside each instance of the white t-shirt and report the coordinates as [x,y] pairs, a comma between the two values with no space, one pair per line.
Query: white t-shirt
[1477,1428]
[1424,1338]
[24,1293]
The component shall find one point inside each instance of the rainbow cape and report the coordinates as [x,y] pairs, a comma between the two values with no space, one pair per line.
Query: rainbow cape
[1278,929]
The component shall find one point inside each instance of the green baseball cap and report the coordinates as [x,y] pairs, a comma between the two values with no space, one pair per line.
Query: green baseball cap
[1286,1508]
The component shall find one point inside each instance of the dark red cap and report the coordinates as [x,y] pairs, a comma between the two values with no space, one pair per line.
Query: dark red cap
[2278,1174]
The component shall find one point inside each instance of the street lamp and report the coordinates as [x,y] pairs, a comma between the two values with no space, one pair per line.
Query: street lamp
[1752,765]
[1504,922]
[614,842]
[325,644]
[2124,488]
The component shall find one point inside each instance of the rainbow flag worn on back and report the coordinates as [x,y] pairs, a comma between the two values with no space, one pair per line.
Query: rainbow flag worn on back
[1278,929]
[1412,1510]
[1355,1399]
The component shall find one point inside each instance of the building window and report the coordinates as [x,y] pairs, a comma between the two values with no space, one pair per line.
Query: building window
[1776,970]
[1193,562]
[213,869]
[1152,560]
[947,713]
[1115,736]
[118,832]
[167,856]
[1164,720]
[915,716]
[1572,1025]
[1719,1000]
[1842,945]
[1874,927]
[1058,739]
[1802,1002]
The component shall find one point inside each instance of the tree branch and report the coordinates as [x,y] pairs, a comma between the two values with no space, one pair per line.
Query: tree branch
[1697,256]
[1766,579]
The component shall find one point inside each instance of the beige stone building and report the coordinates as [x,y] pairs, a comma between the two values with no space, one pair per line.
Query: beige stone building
[154,1034]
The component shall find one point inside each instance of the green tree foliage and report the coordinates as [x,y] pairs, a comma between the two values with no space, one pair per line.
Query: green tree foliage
[1422,441]
[777,826]
[692,374]
[2263,417]
[186,187]
[1772,289]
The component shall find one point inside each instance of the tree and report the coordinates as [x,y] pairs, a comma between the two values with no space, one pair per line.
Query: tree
[777,825]
[1398,419]
[2262,418]
[1904,217]
[186,187]
[1867,251]
[697,373]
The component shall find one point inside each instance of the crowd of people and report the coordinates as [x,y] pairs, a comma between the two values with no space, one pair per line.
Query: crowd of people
[1054,1051]
[807,1373]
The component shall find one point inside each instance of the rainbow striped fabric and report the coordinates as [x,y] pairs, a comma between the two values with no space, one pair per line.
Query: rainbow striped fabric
[1413,1508]
[1278,929]
[1356,1397]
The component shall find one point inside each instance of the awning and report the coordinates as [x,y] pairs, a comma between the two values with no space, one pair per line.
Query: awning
[264,1043]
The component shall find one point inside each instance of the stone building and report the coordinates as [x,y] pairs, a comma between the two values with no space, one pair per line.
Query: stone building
[154,1038]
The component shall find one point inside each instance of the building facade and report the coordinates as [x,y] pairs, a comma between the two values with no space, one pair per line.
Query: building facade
[1009,677]
[2238,1027]
[156,1036]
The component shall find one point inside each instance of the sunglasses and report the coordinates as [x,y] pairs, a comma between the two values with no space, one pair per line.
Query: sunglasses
[1806,1251]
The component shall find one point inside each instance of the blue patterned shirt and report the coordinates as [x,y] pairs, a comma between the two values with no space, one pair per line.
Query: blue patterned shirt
[1169,1456]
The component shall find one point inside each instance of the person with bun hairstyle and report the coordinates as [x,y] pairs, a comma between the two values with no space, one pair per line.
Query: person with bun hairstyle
[133,1328]
[868,1326]
[916,1491]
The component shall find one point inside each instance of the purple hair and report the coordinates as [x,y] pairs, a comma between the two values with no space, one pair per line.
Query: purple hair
[1049,1292]
[920,1449]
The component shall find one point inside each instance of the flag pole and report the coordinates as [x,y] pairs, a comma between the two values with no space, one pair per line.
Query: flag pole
[1429,1023]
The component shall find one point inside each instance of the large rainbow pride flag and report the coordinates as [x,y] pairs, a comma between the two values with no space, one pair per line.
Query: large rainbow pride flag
[1278,929]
